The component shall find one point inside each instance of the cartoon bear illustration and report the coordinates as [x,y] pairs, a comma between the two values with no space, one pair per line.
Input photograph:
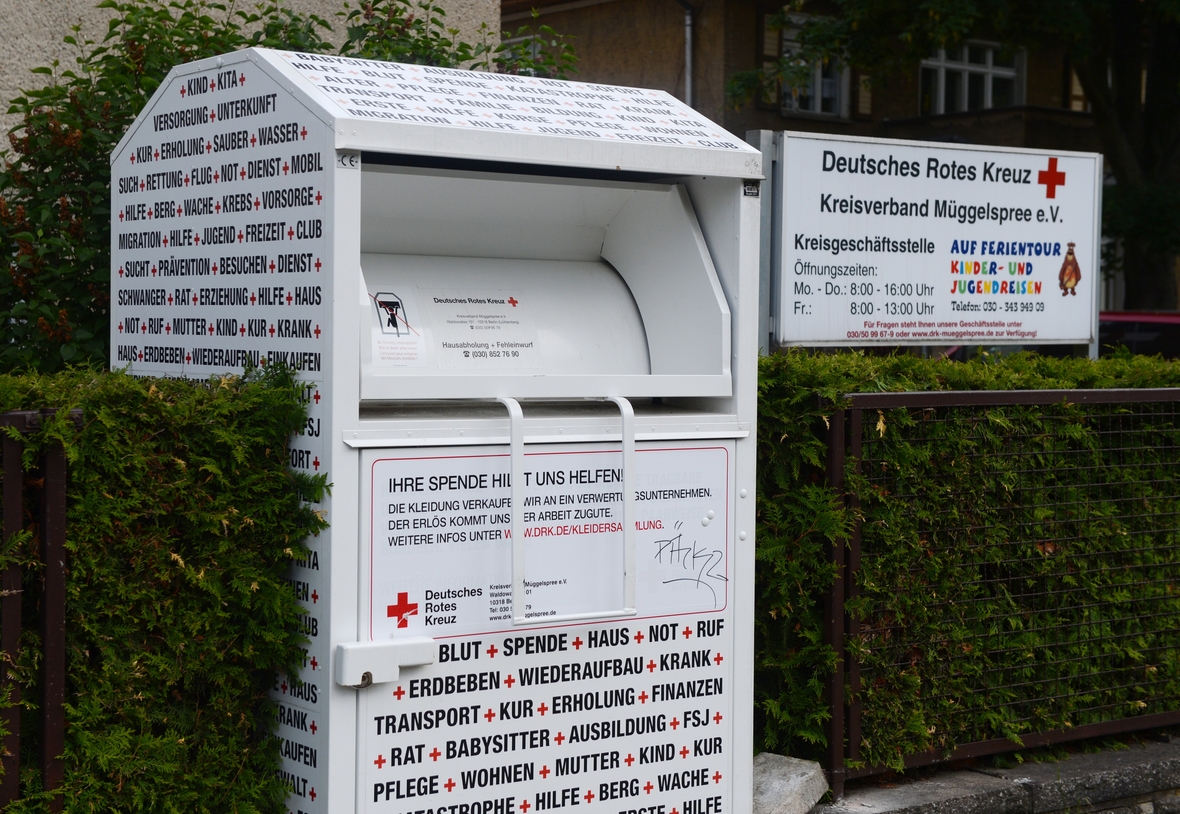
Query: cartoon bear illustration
[1071,273]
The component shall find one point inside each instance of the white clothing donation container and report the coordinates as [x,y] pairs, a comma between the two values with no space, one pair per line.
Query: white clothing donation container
[525,311]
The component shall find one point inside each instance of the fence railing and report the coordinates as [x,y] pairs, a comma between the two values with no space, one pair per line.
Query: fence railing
[37,504]
[1013,575]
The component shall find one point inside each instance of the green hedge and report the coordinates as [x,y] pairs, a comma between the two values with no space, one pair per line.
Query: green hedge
[929,551]
[183,518]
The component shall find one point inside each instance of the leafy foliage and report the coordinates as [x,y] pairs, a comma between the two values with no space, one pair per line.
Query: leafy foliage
[183,518]
[55,182]
[975,524]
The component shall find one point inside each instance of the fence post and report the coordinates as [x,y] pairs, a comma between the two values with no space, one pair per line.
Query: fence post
[10,619]
[53,614]
[851,591]
[834,617]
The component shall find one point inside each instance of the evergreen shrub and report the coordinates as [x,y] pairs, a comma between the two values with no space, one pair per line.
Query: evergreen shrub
[956,562]
[183,518]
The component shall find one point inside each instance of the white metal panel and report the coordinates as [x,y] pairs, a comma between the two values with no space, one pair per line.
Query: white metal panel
[411,211]
[657,246]
[578,317]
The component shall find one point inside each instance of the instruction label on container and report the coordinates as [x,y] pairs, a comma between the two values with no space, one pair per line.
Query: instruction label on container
[441,537]
[399,337]
[488,329]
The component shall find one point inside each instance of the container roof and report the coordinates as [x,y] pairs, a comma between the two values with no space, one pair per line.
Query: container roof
[418,110]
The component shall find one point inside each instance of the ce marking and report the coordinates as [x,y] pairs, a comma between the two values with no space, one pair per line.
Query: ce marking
[348,161]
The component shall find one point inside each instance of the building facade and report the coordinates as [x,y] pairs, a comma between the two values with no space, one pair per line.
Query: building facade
[978,93]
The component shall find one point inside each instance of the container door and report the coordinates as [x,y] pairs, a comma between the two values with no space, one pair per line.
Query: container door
[628,710]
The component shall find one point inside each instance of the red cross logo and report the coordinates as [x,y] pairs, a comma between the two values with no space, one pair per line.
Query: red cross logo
[545,772]
[577,643]
[240,235]
[283,686]
[492,651]
[513,301]
[717,718]
[242,172]
[380,762]
[560,739]
[639,637]
[257,203]
[675,723]
[449,785]
[542,709]
[242,79]
[687,631]
[399,692]
[316,463]
[303,132]
[717,777]
[717,659]
[312,794]
[316,397]
[313,727]
[435,754]
[315,665]
[182,91]
[289,297]
[253,140]
[524,806]
[630,759]
[120,216]
[648,787]
[651,666]
[489,715]
[317,264]
[684,751]
[510,681]
[589,797]
[643,696]
[401,610]
[290,233]
[318,197]
[285,168]
[315,597]
[1051,178]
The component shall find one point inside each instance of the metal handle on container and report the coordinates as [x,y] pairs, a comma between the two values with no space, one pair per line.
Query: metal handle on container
[516,445]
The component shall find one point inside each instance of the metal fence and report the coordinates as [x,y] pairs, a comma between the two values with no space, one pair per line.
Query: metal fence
[34,501]
[1013,576]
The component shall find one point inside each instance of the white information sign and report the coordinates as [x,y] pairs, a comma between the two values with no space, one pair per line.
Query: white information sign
[628,712]
[910,243]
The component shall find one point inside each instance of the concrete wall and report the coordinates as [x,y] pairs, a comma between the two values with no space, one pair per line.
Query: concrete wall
[33,32]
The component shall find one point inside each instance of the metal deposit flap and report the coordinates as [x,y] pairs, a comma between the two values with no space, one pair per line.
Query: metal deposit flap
[448,315]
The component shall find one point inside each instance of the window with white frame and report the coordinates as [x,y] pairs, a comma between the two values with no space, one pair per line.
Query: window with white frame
[826,93]
[972,76]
